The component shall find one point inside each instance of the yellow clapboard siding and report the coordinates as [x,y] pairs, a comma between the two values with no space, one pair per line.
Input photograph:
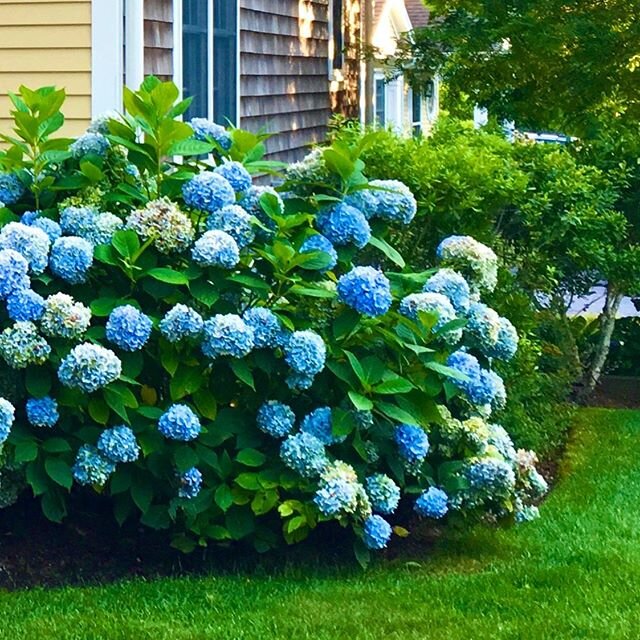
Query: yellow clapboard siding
[74,106]
[75,83]
[36,13]
[45,37]
[26,60]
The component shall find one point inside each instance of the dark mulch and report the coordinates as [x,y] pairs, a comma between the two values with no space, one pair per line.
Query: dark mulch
[617,392]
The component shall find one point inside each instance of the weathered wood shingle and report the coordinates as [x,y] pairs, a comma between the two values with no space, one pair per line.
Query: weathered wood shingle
[158,38]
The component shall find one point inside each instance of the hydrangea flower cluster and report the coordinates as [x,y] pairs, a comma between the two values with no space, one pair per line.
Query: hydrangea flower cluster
[318,242]
[453,286]
[392,201]
[367,290]
[208,192]
[481,386]
[339,491]
[343,224]
[377,532]
[216,249]
[89,367]
[25,305]
[31,243]
[413,443]
[206,130]
[437,304]
[251,203]
[91,467]
[71,258]
[21,345]
[180,422]
[475,261]
[268,332]
[306,353]
[235,174]
[63,317]
[13,272]
[305,454]
[49,226]
[7,416]
[383,493]
[227,335]
[119,444]
[11,188]
[91,143]
[276,419]
[432,503]
[181,323]
[319,423]
[162,221]
[190,483]
[42,412]
[235,221]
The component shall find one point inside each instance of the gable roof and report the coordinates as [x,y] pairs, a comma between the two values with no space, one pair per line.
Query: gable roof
[418,13]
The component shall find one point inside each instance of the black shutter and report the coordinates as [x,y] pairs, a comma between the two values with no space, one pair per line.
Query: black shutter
[195,56]
[225,61]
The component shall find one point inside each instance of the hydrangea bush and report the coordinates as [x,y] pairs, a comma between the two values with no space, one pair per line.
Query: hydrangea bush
[233,361]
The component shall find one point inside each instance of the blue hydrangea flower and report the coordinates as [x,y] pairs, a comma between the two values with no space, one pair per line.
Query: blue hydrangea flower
[216,249]
[50,227]
[500,439]
[77,221]
[181,322]
[179,422]
[235,174]
[319,423]
[100,124]
[235,221]
[276,419]
[25,305]
[343,224]
[494,389]
[394,201]
[90,143]
[299,381]
[11,189]
[527,513]
[305,454]
[432,503]
[451,284]
[305,352]
[227,335]
[128,328]
[190,483]
[436,303]
[383,493]
[63,317]
[29,217]
[21,346]
[413,443]
[103,228]
[7,416]
[336,496]
[475,261]
[376,533]
[506,346]
[91,467]
[367,290]
[268,332]
[119,444]
[13,272]
[318,242]
[483,326]
[491,476]
[206,130]
[208,192]
[71,259]
[89,367]
[30,242]
[366,200]
[42,412]
[251,203]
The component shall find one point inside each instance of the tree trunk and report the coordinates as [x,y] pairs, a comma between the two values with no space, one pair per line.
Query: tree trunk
[607,325]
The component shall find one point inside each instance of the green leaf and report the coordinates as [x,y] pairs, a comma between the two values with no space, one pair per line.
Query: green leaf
[53,506]
[240,523]
[206,404]
[446,371]
[169,276]
[388,251]
[190,147]
[37,478]
[223,497]
[126,243]
[56,445]
[98,410]
[186,380]
[242,372]
[25,451]
[313,292]
[250,281]
[204,291]
[362,553]
[59,471]
[357,367]
[102,307]
[157,517]
[185,458]
[396,413]
[251,458]
[249,481]
[360,402]
[37,382]
[142,493]
[393,386]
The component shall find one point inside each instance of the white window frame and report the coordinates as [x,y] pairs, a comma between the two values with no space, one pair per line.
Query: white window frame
[107,38]
[335,74]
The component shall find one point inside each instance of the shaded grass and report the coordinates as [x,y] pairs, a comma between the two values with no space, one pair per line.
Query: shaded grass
[573,574]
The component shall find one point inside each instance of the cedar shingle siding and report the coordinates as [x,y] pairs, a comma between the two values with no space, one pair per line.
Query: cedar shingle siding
[158,38]
[284,77]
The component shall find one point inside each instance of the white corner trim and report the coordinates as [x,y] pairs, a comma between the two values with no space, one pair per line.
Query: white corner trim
[177,46]
[134,38]
[106,55]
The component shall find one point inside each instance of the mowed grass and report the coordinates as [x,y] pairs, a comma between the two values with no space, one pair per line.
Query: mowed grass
[573,574]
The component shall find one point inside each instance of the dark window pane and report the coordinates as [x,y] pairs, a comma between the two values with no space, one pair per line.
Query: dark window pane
[338,34]
[195,56]
[225,61]
[417,107]
[381,107]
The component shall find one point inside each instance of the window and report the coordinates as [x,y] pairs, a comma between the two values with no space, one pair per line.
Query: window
[336,36]
[381,101]
[209,58]
[416,112]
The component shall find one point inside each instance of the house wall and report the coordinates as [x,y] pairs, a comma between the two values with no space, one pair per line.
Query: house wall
[158,38]
[47,42]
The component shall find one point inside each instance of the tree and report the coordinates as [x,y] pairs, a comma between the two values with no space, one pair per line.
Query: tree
[566,65]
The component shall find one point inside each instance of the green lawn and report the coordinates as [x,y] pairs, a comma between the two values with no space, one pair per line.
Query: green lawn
[573,574]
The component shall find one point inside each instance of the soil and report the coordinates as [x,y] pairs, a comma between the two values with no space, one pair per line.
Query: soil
[91,548]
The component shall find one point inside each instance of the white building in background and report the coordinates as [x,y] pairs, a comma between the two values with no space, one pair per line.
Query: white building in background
[397,105]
